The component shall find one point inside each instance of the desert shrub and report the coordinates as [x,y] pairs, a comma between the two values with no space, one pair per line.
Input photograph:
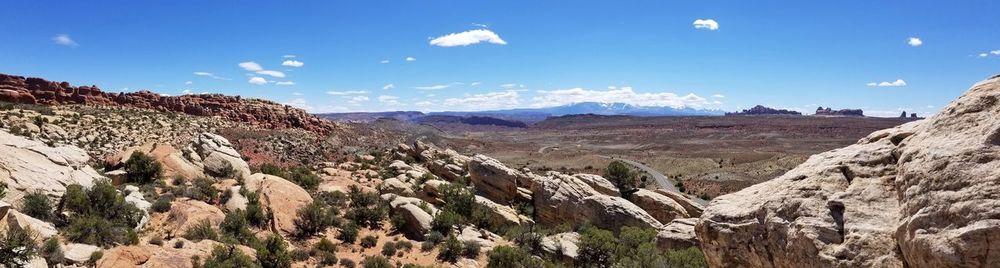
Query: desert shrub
[347,263]
[303,177]
[94,257]
[398,222]
[450,249]
[435,237]
[404,245]
[376,262]
[300,255]
[333,199]
[3,189]
[93,230]
[444,221]
[37,205]
[426,246]
[17,246]
[367,209]
[228,257]
[313,218]
[623,178]
[368,241]
[686,258]
[204,190]
[273,253]
[324,245]
[256,214]
[225,196]
[349,233]
[200,231]
[156,240]
[235,228]
[52,251]
[327,258]
[161,205]
[597,247]
[131,237]
[389,249]
[471,249]
[142,168]
[272,169]
[179,244]
[511,257]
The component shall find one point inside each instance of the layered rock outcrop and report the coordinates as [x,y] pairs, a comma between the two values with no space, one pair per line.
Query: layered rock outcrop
[262,113]
[28,165]
[923,194]
[567,199]
[842,112]
[496,181]
[282,197]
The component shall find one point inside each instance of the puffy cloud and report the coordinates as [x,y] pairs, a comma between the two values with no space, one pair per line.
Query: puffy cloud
[358,99]
[285,83]
[256,80]
[389,100]
[411,59]
[186,91]
[272,73]
[213,76]
[251,66]
[292,63]
[916,42]
[983,55]
[619,95]
[897,83]
[468,38]
[489,100]
[389,86]
[995,52]
[64,39]
[299,103]
[708,24]
[345,93]
[718,96]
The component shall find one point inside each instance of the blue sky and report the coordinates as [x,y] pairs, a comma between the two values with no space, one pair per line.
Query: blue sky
[786,54]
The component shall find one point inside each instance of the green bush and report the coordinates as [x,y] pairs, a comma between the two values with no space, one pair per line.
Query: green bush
[200,231]
[156,240]
[324,245]
[236,228]
[404,245]
[367,209]
[623,178]
[179,244]
[303,177]
[17,246]
[450,249]
[426,246]
[368,241]
[445,220]
[389,249]
[349,233]
[347,263]
[686,258]
[161,205]
[300,255]
[142,168]
[333,199]
[204,190]
[313,218]
[435,237]
[131,237]
[228,257]
[327,258]
[37,205]
[511,257]
[256,214]
[398,222]
[376,262]
[52,251]
[471,249]
[98,216]
[597,247]
[273,253]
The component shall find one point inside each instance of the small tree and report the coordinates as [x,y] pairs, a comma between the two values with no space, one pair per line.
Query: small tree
[273,253]
[37,205]
[17,247]
[623,178]
[142,168]
[451,249]
[508,256]
[227,257]
[376,262]
[597,247]
[312,219]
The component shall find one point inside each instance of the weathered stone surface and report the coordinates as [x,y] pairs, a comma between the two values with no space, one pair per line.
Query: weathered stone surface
[283,197]
[662,208]
[562,245]
[162,256]
[567,199]
[216,156]
[172,161]
[923,194]
[418,221]
[693,209]
[484,238]
[186,213]
[495,181]
[27,165]
[14,219]
[677,234]
[395,186]
[135,198]
[599,183]
[237,201]
[78,253]
[503,215]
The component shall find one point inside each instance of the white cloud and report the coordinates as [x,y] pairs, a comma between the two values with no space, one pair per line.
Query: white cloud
[285,83]
[296,94]
[718,96]
[995,52]
[213,76]
[468,38]
[345,93]
[411,59]
[434,87]
[272,73]
[480,25]
[358,99]
[389,86]
[257,80]
[389,100]
[63,39]
[489,100]
[983,55]
[475,84]
[299,103]
[916,42]
[620,95]
[384,61]
[708,24]
[288,56]
[188,82]
[251,66]
[512,85]
[164,95]
[897,83]
[292,63]
[424,103]
[186,92]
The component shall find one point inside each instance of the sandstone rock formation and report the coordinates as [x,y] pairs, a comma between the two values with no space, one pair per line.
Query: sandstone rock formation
[173,162]
[216,156]
[567,199]
[562,245]
[418,221]
[283,197]
[185,213]
[147,255]
[78,253]
[262,113]
[923,194]
[28,165]
[662,208]
[843,112]
[496,181]
[762,110]
[677,234]
[692,208]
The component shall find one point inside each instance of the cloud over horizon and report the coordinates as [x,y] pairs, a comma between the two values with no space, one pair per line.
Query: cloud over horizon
[897,83]
[466,38]
[707,24]
[619,95]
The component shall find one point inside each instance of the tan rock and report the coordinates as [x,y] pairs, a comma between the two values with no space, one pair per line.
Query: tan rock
[567,199]
[185,213]
[152,256]
[562,245]
[216,156]
[662,208]
[502,215]
[29,165]
[677,235]
[693,209]
[393,185]
[418,221]
[14,219]
[283,197]
[496,181]
[172,161]
[599,183]
[79,253]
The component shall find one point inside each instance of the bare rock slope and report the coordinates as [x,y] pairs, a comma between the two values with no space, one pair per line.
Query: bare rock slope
[923,194]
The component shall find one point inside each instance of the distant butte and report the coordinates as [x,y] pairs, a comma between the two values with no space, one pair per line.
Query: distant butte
[762,110]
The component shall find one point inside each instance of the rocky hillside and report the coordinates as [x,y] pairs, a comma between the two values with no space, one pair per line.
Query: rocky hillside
[923,194]
[261,113]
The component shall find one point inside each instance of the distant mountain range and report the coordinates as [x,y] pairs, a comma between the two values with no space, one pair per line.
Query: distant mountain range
[532,115]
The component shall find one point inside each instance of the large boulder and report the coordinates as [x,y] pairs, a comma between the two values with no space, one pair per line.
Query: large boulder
[173,162]
[562,245]
[136,198]
[486,240]
[283,197]
[418,221]
[599,183]
[216,156]
[662,208]
[502,215]
[79,253]
[496,181]
[677,234]
[923,194]
[28,165]
[185,213]
[162,256]
[567,199]
[14,219]
[693,208]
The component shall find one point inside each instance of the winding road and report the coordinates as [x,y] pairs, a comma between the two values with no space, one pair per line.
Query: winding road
[664,182]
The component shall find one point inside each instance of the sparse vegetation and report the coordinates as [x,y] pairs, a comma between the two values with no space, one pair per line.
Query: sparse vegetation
[367,209]
[37,205]
[314,218]
[273,253]
[226,257]
[201,230]
[368,241]
[623,178]
[511,257]
[349,233]
[99,216]
[17,246]
[376,262]
[142,168]
[450,249]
